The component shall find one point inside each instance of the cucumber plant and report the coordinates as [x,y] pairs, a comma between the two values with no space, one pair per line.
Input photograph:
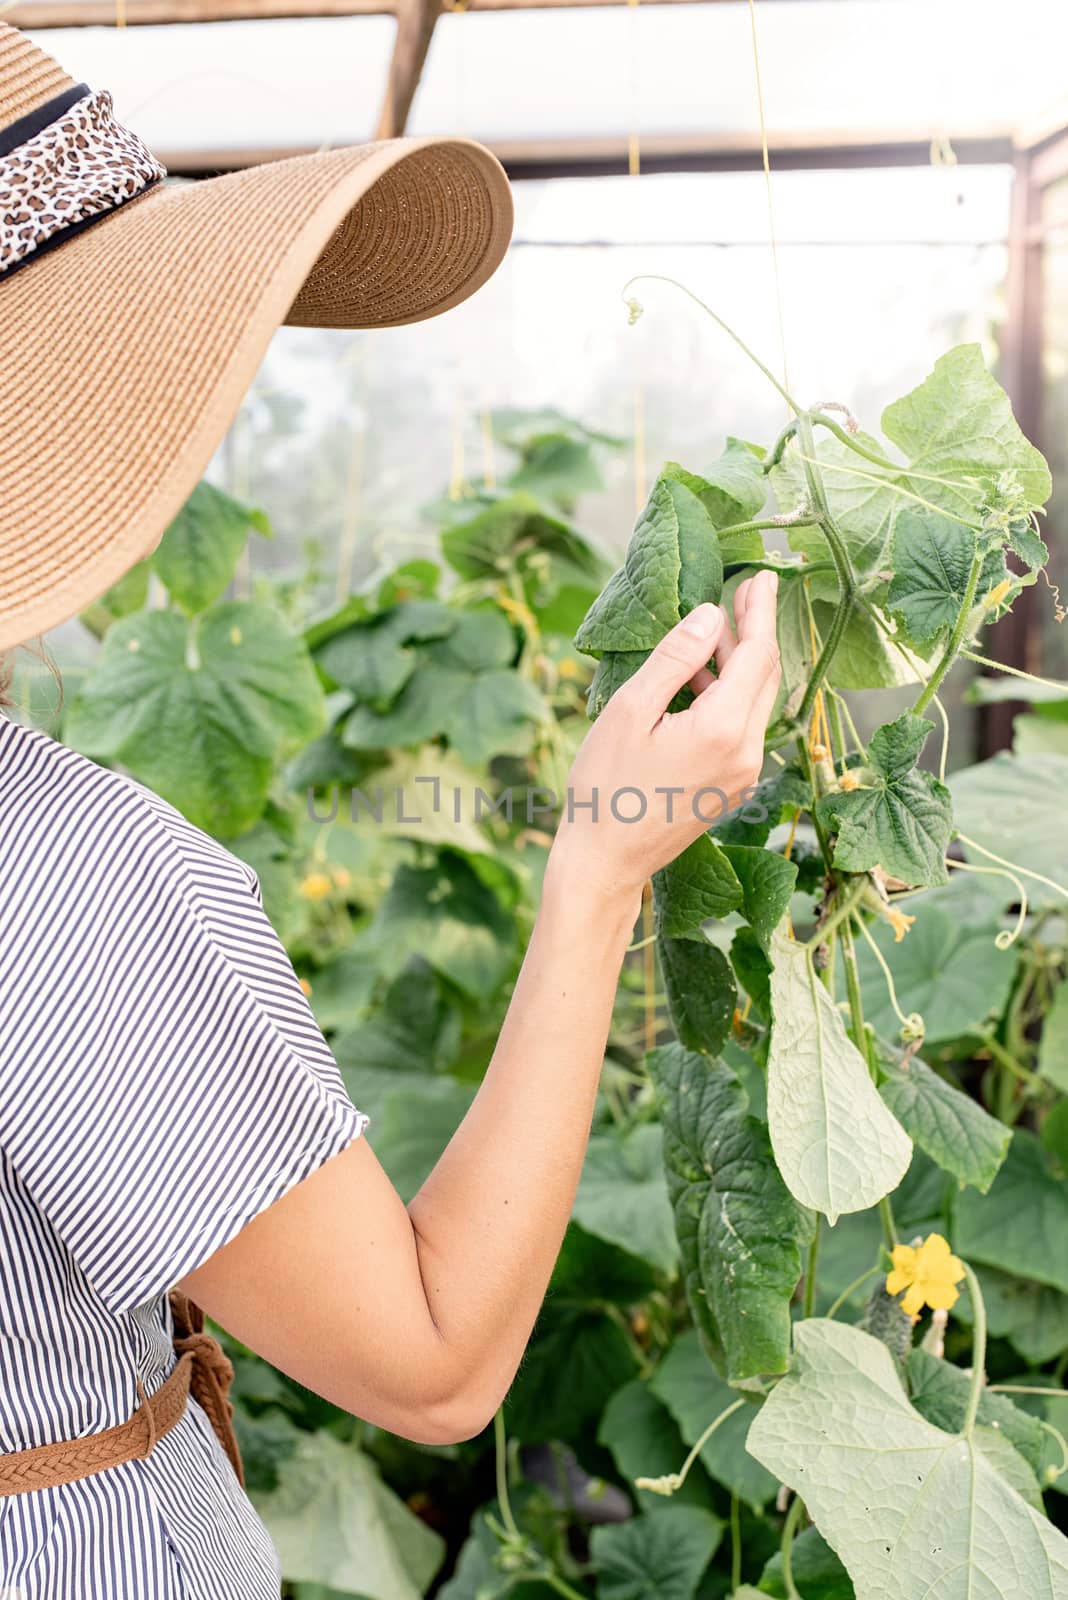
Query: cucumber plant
[893,555]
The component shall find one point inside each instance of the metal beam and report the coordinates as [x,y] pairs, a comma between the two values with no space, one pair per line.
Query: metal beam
[725,152]
[416,20]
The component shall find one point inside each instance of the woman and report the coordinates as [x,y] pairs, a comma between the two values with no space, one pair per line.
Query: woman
[170,1115]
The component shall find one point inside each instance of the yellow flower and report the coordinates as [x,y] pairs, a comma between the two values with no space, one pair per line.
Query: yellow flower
[306,988]
[850,781]
[316,886]
[899,922]
[928,1273]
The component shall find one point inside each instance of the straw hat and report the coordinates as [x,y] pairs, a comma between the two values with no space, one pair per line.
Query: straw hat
[134,314]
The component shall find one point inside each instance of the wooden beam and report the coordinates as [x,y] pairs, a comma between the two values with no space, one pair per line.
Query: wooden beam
[723,152]
[36,14]
[416,20]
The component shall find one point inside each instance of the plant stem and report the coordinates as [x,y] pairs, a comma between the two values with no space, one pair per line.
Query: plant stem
[764,525]
[1024,1388]
[1015,672]
[810,1270]
[843,909]
[554,1581]
[847,1294]
[736,1542]
[956,638]
[978,1350]
[853,444]
[1006,1059]
[886,1217]
[501,1462]
[789,1528]
[856,1006]
[847,583]
[663,277]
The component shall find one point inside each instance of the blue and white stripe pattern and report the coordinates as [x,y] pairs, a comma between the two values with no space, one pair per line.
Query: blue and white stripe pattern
[162,1081]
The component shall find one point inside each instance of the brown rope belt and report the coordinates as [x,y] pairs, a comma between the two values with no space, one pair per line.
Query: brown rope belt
[203,1369]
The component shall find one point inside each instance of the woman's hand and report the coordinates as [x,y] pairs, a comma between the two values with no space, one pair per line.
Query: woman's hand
[647,781]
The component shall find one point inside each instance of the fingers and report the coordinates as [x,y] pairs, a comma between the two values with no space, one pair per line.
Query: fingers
[678,658]
[749,679]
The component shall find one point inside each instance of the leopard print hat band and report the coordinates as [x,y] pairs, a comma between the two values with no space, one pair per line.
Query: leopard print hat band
[72,165]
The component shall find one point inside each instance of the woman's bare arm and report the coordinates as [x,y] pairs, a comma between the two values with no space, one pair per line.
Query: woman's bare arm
[416,1318]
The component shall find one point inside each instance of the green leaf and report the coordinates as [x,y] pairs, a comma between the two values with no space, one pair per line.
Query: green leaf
[613,671]
[478,1575]
[932,559]
[333,1521]
[447,914]
[770,802]
[866,657]
[1031,1316]
[768,880]
[695,1395]
[700,992]
[412,1124]
[752,969]
[836,1144]
[645,1442]
[373,657]
[1031,549]
[903,820]
[590,1269]
[672,564]
[1053,1048]
[740,1232]
[199,551]
[698,886]
[732,490]
[266,1441]
[959,423]
[947,967]
[818,1573]
[909,1509]
[1022,1225]
[622,1196]
[557,467]
[657,1557]
[200,711]
[463,688]
[416,1028]
[950,1126]
[507,533]
[1014,806]
[939,1391]
[341,990]
[578,1358]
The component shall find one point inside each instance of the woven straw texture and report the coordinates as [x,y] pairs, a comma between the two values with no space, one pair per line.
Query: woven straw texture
[125,352]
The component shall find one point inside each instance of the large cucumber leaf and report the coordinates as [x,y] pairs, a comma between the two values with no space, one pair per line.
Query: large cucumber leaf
[950,1126]
[672,564]
[909,1509]
[200,710]
[837,1146]
[740,1232]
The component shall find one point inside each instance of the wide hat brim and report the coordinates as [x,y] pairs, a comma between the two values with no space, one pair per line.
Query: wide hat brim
[126,352]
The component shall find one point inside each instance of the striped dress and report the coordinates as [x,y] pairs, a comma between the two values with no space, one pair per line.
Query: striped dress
[162,1081]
